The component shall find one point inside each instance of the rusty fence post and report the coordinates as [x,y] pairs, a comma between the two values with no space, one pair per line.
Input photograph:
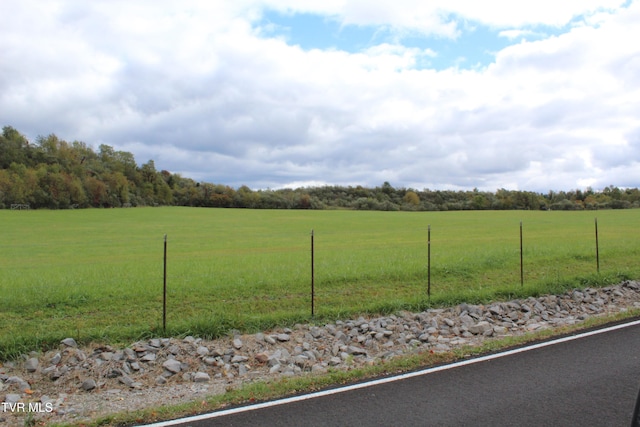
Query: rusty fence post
[164,288]
[312,278]
[521,258]
[429,262]
[597,248]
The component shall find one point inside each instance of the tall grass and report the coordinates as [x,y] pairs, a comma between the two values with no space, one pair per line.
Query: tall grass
[97,274]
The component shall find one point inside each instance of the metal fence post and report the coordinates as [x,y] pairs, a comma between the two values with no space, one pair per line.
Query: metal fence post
[164,288]
[312,278]
[597,248]
[521,258]
[429,262]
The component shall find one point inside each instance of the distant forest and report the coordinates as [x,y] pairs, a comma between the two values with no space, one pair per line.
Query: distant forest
[55,174]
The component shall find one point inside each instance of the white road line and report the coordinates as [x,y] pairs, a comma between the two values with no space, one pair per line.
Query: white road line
[389,379]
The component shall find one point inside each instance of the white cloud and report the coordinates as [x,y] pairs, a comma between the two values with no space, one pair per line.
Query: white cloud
[512,14]
[440,16]
[199,89]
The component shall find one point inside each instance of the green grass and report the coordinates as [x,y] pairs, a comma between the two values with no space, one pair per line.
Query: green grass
[97,274]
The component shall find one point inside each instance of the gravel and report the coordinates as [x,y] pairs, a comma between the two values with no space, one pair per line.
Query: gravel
[77,384]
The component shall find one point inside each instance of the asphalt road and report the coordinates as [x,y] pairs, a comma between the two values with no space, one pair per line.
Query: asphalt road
[590,381]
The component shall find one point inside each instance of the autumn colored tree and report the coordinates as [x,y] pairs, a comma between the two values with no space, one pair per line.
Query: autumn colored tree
[411,198]
[53,173]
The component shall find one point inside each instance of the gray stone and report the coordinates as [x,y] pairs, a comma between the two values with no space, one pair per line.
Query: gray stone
[201,377]
[114,373]
[172,366]
[466,320]
[130,354]
[69,342]
[283,337]
[31,365]
[495,309]
[237,343]
[126,380]
[442,348]
[354,350]
[239,359]
[335,361]
[55,359]
[212,361]
[424,337]
[242,370]
[22,384]
[106,356]
[54,374]
[577,296]
[12,398]
[88,384]
[318,369]
[533,326]
[282,354]
[47,400]
[480,328]
[316,332]
[288,371]
[149,357]
[275,369]
[500,330]
[301,361]
[273,361]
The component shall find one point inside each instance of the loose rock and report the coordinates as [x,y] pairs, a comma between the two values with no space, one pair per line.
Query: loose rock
[144,373]
[31,365]
[201,377]
[480,328]
[69,342]
[88,385]
[172,366]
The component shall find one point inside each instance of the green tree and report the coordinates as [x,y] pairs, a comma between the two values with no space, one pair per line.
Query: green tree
[148,171]
[117,188]
[13,148]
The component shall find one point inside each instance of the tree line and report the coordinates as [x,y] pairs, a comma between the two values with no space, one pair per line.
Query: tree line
[55,174]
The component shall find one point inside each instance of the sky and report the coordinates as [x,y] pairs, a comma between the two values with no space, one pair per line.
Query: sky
[440,94]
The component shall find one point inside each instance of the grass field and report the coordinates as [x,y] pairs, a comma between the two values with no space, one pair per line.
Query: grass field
[98,274]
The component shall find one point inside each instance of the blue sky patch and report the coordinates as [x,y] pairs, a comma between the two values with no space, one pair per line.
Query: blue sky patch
[310,31]
[475,47]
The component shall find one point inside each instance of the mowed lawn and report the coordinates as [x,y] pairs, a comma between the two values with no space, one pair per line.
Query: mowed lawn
[98,274]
